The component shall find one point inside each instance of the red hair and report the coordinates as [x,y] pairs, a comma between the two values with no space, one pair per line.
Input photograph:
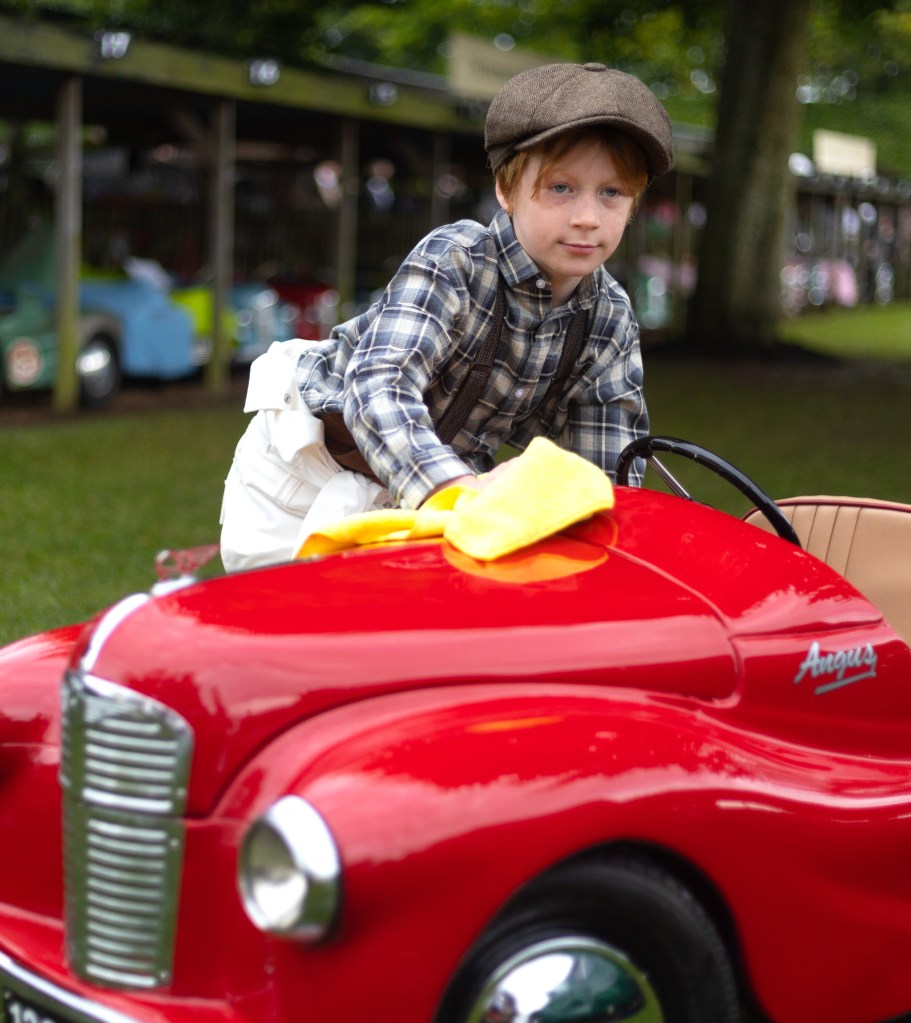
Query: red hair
[625,151]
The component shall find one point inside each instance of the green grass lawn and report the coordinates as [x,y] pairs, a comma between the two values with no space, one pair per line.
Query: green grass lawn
[869,332]
[793,430]
[87,502]
[837,425]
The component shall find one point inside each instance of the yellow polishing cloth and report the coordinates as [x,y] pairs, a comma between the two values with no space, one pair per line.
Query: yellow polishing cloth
[542,491]
[386,524]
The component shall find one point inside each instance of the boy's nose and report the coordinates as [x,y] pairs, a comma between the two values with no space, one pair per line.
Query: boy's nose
[586,211]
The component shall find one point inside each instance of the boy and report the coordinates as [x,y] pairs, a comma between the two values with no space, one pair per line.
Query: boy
[398,403]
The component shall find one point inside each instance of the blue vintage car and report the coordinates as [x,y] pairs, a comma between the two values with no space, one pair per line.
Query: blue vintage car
[126,327]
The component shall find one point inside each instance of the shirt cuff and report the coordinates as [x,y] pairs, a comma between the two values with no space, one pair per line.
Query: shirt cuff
[426,472]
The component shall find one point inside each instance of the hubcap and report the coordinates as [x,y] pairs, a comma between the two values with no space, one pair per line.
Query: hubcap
[95,366]
[567,980]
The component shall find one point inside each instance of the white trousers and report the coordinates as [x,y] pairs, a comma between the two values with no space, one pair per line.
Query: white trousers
[284,485]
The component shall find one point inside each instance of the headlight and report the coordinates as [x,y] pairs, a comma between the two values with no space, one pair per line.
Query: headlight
[289,872]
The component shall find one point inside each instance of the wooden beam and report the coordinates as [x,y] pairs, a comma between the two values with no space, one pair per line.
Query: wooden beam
[346,247]
[68,226]
[31,42]
[221,240]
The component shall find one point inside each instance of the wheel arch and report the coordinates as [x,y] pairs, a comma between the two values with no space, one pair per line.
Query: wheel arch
[681,869]
[99,358]
[95,322]
[678,866]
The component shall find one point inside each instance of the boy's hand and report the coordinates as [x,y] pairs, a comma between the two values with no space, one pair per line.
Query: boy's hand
[474,482]
[496,471]
[460,481]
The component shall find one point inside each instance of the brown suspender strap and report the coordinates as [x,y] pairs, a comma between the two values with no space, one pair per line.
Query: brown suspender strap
[573,343]
[343,449]
[340,444]
[466,397]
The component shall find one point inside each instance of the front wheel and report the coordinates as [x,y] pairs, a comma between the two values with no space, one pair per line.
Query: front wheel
[598,942]
[98,369]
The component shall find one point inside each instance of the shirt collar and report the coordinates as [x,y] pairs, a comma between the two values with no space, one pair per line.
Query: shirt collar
[514,262]
[518,267]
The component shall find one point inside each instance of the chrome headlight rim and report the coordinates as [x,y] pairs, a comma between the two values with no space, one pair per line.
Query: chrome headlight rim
[289,872]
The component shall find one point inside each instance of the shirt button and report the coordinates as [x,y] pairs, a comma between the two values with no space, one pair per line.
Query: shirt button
[520,392]
[287,399]
[540,283]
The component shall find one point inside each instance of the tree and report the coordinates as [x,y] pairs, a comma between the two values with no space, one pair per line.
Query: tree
[773,70]
[780,57]
[736,302]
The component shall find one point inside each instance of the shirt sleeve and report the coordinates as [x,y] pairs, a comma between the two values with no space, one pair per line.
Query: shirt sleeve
[389,374]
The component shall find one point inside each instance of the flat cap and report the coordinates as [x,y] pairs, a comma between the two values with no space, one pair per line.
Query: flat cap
[546,101]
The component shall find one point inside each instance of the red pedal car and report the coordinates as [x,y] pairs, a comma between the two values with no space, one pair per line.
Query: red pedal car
[656,767]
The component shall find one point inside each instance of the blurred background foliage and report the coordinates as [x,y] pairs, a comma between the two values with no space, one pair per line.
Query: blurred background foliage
[856,76]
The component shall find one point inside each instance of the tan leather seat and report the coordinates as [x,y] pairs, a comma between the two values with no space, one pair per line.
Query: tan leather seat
[866,541]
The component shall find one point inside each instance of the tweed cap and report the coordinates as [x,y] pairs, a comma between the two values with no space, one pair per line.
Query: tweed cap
[546,101]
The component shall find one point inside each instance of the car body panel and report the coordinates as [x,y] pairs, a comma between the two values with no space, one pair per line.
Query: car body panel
[353,638]
[156,335]
[656,678]
[30,672]
[472,790]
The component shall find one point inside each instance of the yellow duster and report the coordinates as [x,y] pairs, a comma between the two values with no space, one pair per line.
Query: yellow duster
[542,491]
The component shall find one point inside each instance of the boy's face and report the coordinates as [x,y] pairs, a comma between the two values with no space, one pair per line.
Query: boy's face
[576,220]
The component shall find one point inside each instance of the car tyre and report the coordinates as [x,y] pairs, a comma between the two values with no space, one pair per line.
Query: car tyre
[98,368]
[629,916]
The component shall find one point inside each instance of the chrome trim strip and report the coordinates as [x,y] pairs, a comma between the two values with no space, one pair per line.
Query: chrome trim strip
[111,620]
[55,999]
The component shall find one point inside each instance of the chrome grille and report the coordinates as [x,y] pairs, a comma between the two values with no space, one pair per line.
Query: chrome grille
[124,771]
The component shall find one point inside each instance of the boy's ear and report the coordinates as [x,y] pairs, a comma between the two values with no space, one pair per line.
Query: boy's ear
[501,198]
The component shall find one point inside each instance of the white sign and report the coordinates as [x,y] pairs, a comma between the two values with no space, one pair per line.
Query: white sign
[851,156]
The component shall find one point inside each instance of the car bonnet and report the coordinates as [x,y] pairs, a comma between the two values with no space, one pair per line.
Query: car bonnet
[244,657]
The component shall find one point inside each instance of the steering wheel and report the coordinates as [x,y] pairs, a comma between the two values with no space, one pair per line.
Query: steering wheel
[648,447]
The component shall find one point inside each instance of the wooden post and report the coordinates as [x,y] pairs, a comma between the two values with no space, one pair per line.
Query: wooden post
[68,226]
[347,218]
[221,240]
[439,203]
[681,248]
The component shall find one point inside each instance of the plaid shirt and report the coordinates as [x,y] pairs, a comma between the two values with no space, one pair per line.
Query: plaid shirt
[393,370]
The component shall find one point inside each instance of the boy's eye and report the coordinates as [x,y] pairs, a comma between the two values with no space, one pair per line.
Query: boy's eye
[560,188]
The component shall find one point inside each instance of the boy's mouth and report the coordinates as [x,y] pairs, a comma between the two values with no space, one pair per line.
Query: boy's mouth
[580,248]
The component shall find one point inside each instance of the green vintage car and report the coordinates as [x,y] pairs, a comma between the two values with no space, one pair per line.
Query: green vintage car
[126,327]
